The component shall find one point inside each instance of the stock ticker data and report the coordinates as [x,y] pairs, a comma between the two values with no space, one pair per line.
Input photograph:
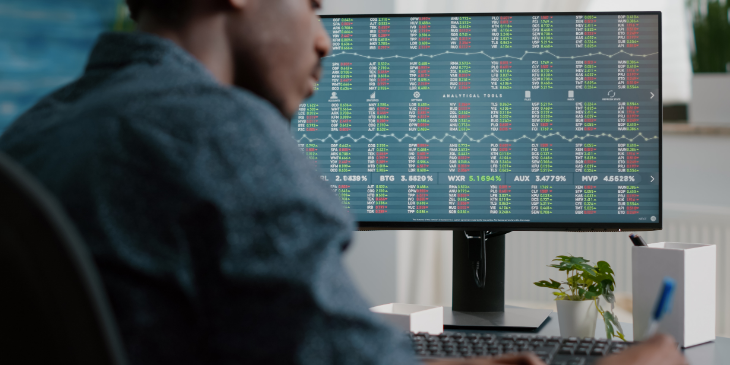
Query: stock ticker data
[510,118]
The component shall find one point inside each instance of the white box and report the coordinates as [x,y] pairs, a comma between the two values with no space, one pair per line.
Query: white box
[693,267]
[412,317]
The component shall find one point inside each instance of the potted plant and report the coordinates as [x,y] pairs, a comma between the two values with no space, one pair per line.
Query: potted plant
[578,303]
[710,63]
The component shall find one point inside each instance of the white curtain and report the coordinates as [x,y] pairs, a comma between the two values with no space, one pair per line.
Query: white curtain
[423,267]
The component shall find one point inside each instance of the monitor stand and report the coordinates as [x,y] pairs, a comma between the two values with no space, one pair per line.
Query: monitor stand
[477,307]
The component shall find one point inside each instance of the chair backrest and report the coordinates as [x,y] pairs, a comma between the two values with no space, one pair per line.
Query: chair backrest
[53,309]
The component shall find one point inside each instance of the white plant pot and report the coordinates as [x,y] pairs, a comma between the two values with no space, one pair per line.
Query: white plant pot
[577,318]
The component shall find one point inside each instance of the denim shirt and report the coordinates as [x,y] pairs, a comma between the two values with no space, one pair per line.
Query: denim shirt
[215,238]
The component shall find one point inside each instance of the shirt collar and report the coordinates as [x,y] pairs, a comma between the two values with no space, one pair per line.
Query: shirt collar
[118,49]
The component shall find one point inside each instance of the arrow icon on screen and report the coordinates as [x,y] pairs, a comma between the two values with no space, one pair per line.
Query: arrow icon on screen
[652,179]
[652,95]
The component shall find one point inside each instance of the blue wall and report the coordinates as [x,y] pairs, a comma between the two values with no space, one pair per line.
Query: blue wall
[44,44]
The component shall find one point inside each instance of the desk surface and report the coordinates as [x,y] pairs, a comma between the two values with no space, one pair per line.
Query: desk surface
[717,352]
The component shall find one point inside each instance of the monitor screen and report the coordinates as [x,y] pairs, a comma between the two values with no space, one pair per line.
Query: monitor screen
[545,121]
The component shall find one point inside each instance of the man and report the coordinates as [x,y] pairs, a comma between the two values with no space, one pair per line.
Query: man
[215,238]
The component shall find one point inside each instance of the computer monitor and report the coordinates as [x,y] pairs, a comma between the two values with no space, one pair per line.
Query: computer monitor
[490,123]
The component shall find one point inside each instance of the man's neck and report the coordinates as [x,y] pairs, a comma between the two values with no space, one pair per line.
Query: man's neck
[203,37]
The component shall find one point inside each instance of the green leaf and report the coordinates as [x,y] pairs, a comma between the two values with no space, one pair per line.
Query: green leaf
[566,265]
[609,316]
[562,266]
[607,293]
[599,277]
[588,282]
[609,327]
[593,291]
[614,319]
[604,267]
[575,280]
[609,283]
[588,268]
[578,260]
[548,284]
[589,278]
[610,299]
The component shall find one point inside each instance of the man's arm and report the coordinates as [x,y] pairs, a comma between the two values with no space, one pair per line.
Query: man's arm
[658,350]
[262,236]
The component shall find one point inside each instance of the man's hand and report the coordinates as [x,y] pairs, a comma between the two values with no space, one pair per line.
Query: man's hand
[514,359]
[658,350]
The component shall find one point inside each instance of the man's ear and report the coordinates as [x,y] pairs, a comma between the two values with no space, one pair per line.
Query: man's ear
[133,7]
[238,4]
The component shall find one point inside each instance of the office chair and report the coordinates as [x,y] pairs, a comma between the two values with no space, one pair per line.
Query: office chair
[53,309]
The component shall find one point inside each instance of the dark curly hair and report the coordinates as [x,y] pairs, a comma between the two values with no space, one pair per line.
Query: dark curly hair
[169,11]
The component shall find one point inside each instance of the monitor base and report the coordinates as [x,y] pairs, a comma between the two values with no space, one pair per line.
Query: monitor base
[513,318]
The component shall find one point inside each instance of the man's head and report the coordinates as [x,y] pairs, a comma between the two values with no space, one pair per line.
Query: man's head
[271,47]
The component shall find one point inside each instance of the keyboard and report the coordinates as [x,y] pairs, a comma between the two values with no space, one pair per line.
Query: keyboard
[552,350]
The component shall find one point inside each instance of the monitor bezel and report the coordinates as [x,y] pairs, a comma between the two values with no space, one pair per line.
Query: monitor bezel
[544,226]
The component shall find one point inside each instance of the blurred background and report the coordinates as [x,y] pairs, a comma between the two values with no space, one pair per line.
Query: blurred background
[44,44]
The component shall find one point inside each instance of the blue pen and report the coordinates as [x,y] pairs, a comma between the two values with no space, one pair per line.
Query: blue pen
[663,306]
